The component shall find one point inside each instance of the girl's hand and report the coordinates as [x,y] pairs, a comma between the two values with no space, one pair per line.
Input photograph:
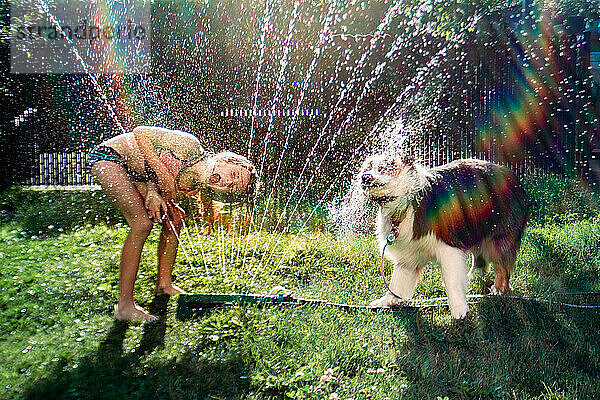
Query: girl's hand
[156,206]
[176,214]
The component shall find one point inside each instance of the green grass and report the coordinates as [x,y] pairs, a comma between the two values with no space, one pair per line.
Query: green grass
[559,198]
[59,339]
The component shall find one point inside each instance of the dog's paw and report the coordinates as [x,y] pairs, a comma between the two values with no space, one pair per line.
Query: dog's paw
[495,291]
[377,303]
[386,300]
[459,311]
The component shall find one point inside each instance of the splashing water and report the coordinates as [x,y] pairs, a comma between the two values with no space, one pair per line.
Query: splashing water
[386,95]
[374,41]
[261,60]
[43,7]
[318,49]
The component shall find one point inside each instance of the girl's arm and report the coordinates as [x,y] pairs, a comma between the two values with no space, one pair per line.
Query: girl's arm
[166,181]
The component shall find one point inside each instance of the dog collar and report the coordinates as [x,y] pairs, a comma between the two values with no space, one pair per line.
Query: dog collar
[384,199]
[391,238]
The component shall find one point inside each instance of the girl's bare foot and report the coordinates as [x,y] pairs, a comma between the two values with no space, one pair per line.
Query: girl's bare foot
[169,290]
[133,313]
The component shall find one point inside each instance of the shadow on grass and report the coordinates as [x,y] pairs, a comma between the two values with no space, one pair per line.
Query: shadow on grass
[505,344]
[110,373]
[154,333]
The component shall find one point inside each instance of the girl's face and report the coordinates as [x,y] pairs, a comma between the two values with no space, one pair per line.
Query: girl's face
[227,177]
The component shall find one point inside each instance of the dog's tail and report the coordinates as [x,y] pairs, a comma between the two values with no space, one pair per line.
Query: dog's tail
[481,265]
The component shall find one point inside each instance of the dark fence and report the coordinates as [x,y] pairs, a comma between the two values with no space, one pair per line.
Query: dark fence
[58,169]
[496,84]
[61,169]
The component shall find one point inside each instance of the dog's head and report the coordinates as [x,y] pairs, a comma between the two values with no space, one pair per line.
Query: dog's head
[385,178]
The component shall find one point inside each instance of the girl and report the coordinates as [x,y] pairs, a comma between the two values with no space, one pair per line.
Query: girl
[141,172]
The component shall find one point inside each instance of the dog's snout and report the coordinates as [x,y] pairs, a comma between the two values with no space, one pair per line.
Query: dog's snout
[367,179]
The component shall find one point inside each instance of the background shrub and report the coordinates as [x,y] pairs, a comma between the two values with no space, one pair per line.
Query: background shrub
[44,212]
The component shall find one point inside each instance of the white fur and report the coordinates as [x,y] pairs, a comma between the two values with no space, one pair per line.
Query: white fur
[407,255]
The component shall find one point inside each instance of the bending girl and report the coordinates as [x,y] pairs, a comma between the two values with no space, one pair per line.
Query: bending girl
[141,172]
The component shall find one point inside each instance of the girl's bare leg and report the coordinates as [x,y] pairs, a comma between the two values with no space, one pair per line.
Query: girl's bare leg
[167,251]
[124,195]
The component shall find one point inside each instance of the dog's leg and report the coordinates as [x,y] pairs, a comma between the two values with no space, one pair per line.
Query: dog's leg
[454,275]
[403,283]
[504,257]
[501,284]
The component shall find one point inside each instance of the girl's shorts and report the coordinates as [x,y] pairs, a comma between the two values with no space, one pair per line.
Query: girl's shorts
[106,153]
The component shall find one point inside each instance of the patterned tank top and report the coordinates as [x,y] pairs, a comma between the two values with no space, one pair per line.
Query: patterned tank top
[176,165]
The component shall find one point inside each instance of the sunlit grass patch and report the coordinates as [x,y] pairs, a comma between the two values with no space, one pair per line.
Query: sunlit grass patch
[560,257]
[59,339]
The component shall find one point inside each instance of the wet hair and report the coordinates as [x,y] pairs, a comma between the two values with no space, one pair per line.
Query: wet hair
[253,181]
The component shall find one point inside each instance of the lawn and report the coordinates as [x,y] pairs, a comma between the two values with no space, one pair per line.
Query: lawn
[59,340]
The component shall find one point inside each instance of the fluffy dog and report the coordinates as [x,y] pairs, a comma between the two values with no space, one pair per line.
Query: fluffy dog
[438,214]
